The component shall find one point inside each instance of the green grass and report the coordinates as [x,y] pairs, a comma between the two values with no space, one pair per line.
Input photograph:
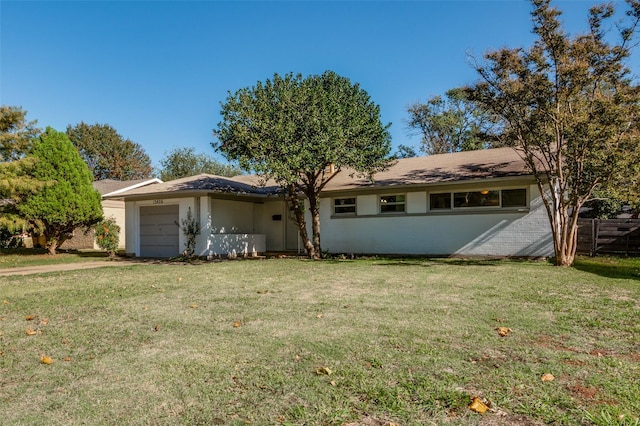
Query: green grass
[17,258]
[242,342]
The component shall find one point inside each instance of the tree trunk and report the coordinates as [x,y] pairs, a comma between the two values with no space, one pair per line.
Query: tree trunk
[314,207]
[564,227]
[297,207]
[52,246]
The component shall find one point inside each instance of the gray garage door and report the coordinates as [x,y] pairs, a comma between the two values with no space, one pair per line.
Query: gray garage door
[159,234]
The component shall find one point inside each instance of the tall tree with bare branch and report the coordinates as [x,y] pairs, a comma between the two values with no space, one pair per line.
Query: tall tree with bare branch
[570,107]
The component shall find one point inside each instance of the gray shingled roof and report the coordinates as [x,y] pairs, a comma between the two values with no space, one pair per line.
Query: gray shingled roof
[430,170]
[107,186]
[439,169]
[202,183]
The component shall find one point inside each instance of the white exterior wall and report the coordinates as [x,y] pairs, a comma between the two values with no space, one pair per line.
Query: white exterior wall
[115,209]
[483,233]
[274,230]
[232,229]
[132,228]
[227,226]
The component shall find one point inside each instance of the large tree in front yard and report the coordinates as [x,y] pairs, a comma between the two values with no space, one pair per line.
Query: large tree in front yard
[301,132]
[108,154]
[68,201]
[570,107]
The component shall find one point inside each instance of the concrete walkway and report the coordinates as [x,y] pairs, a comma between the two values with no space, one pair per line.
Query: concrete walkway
[29,270]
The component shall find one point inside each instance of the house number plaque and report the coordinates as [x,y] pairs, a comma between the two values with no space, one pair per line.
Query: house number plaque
[157,201]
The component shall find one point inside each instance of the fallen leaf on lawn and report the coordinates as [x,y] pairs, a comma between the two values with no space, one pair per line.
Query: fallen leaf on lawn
[32,332]
[193,305]
[323,371]
[179,279]
[5,302]
[262,291]
[236,324]
[503,331]
[30,317]
[46,360]
[44,321]
[333,382]
[477,405]
[547,377]
[319,316]
[157,327]
[67,358]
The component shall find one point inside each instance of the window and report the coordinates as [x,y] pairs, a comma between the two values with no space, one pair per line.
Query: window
[344,205]
[505,198]
[440,201]
[476,199]
[392,204]
[514,198]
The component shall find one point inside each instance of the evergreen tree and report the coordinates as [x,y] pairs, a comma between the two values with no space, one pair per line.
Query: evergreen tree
[16,136]
[69,200]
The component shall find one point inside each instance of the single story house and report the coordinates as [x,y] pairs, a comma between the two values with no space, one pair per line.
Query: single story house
[111,209]
[475,203]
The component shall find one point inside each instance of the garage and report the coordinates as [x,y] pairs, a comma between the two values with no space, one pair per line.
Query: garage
[159,232]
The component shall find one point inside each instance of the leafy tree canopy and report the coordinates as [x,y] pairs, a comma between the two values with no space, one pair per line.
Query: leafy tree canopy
[184,162]
[109,155]
[16,133]
[70,201]
[570,107]
[16,137]
[292,129]
[451,124]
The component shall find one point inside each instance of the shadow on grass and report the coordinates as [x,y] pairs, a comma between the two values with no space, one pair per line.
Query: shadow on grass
[24,251]
[610,267]
[38,251]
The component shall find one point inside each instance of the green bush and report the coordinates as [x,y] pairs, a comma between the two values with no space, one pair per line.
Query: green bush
[108,236]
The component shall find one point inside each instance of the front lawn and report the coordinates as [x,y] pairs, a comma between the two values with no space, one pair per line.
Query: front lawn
[292,342]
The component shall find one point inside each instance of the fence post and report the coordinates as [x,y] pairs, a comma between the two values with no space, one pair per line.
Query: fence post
[595,228]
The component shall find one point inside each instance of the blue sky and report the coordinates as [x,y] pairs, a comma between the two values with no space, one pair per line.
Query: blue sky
[157,70]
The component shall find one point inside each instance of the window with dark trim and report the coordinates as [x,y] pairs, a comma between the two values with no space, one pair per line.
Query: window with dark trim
[514,198]
[392,204]
[505,198]
[440,201]
[342,206]
[483,198]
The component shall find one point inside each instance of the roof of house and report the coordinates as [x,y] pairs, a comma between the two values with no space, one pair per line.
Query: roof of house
[429,170]
[198,184]
[112,186]
[438,169]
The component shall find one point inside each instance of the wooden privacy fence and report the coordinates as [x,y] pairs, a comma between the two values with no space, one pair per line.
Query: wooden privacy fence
[609,236]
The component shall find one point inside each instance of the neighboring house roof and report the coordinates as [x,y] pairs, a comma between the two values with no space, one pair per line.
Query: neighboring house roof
[112,187]
[430,170]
